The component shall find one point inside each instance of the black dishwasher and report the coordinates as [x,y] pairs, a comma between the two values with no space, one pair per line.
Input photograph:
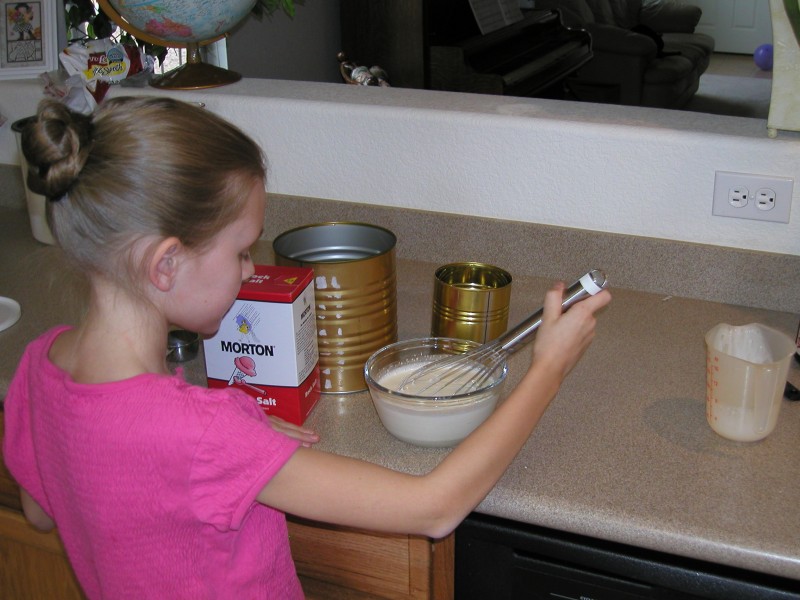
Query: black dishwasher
[504,560]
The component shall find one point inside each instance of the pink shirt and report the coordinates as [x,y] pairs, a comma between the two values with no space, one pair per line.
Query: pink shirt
[152,482]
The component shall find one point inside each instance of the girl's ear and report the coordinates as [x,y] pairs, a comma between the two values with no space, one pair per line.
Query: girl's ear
[163,266]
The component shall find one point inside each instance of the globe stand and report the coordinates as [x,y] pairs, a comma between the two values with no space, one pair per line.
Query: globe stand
[154,22]
[194,74]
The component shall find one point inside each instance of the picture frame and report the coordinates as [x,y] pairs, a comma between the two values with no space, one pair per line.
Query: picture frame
[29,38]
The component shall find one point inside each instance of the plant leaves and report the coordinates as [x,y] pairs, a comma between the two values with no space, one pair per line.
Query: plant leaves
[103,26]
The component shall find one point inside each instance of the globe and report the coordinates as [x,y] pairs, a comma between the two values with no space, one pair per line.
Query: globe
[182,24]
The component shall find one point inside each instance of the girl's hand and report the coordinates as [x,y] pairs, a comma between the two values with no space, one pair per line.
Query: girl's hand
[307,436]
[564,337]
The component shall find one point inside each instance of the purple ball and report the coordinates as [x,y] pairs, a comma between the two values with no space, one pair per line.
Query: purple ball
[763,57]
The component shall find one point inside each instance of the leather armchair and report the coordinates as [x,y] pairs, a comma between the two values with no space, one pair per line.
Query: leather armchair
[646,52]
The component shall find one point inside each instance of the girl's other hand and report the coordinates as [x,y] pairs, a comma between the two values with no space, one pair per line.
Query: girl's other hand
[305,435]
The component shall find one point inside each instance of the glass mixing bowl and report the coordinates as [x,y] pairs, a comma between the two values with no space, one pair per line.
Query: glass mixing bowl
[437,421]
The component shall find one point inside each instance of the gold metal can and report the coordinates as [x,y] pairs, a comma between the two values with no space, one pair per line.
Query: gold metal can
[470,301]
[355,293]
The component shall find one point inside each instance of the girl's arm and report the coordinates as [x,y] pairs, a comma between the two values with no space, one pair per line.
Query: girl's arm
[34,512]
[336,489]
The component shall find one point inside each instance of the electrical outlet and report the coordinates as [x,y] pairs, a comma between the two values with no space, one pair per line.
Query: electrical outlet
[757,197]
[738,196]
[765,199]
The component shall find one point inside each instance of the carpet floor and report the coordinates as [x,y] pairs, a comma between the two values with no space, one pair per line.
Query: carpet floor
[732,95]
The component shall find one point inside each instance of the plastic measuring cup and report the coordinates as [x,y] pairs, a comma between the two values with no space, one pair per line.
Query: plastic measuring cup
[746,370]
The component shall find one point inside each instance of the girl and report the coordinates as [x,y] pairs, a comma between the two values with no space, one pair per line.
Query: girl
[151,481]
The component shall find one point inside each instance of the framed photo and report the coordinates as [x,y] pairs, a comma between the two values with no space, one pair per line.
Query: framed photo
[28,38]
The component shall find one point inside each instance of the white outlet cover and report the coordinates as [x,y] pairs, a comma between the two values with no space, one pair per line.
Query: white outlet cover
[724,181]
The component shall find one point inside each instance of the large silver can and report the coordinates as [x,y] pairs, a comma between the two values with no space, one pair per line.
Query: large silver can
[355,291]
[470,301]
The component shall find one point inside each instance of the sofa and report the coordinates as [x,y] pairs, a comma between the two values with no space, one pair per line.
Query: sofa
[645,52]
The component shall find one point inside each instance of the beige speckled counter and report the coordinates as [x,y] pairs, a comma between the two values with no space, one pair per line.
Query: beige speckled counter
[623,453]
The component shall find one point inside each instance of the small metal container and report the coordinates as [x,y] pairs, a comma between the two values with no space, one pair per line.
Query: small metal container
[182,345]
[470,301]
[355,292]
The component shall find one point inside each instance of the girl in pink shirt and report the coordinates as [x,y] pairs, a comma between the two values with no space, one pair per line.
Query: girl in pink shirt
[150,480]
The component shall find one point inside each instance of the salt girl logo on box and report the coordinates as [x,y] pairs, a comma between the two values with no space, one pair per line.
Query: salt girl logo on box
[246,320]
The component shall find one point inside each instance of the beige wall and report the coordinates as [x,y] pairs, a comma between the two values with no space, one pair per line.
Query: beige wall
[602,168]
[277,47]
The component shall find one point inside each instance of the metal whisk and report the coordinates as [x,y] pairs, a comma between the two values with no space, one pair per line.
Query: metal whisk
[463,373]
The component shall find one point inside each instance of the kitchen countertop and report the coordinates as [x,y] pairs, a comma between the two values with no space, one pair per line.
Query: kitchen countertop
[623,453]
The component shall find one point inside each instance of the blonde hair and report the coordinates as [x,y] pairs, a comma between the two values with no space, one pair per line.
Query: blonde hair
[138,167]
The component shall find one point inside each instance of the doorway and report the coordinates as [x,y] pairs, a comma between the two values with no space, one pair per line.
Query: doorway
[737,26]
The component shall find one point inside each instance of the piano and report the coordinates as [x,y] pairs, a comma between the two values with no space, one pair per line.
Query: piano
[437,44]
[527,58]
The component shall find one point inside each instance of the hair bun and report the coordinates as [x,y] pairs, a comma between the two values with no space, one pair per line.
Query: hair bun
[55,145]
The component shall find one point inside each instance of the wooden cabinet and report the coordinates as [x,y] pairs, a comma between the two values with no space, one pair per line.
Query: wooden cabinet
[334,563]
[332,560]
[33,565]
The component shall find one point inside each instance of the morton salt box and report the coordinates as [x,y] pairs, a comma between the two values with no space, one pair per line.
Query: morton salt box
[266,345]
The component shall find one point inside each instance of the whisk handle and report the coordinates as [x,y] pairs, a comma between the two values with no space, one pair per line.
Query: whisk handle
[590,284]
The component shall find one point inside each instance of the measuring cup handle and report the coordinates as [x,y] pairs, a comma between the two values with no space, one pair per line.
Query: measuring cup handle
[764,398]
